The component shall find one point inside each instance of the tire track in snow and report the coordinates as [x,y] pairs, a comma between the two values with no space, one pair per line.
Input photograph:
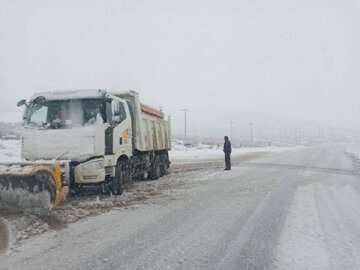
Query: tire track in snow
[340,223]
[322,229]
[302,243]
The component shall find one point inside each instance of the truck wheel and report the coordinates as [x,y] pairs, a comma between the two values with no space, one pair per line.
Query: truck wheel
[155,170]
[164,165]
[118,180]
[144,176]
[129,172]
[164,170]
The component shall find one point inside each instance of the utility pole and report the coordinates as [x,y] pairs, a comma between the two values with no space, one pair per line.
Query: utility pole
[185,122]
[252,134]
[231,128]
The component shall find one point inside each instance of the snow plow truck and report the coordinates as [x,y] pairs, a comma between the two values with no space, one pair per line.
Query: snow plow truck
[74,140]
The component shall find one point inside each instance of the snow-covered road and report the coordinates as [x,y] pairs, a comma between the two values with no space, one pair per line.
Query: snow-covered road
[322,228]
[291,210]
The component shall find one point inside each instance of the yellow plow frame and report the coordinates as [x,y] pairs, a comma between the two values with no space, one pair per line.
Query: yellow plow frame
[31,185]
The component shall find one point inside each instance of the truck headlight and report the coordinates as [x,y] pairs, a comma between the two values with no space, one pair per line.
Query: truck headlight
[96,164]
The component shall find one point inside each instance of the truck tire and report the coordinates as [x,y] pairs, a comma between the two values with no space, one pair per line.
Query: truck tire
[144,176]
[128,173]
[118,180]
[155,172]
[164,167]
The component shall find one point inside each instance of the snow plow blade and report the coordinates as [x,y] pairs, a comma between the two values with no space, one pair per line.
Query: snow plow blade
[31,186]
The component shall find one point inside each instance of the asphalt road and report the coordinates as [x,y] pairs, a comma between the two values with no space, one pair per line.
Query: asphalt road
[292,210]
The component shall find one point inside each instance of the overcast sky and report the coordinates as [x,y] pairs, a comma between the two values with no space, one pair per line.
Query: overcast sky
[297,59]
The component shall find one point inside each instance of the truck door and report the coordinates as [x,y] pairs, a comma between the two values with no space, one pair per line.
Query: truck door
[122,131]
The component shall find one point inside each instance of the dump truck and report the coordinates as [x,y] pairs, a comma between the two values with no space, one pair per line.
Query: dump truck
[75,140]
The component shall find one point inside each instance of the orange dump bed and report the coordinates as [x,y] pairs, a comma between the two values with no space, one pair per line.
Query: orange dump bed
[151,111]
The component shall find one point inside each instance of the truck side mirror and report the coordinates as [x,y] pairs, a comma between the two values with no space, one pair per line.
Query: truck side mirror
[40,101]
[21,103]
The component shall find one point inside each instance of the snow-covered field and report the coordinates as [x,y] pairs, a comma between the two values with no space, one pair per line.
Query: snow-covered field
[201,151]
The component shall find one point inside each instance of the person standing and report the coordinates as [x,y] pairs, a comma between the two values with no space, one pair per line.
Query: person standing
[227,151]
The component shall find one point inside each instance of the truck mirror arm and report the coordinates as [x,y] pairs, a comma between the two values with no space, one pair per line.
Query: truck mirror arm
[22,103]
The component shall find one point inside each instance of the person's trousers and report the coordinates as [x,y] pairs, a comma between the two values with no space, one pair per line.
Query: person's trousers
[227,161]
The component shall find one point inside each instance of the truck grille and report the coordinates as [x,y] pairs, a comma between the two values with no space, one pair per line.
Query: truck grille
[90,177]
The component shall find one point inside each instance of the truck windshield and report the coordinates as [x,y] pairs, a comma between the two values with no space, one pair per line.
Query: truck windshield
[65,113]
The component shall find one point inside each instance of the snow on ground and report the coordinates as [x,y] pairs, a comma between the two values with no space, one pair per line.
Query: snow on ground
[353,150]
[29,225]
[10,151]
[322,229]
[26,225]
[181,152]
[302,246]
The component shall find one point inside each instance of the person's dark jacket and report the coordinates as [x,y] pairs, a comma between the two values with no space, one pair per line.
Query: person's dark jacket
[227,146]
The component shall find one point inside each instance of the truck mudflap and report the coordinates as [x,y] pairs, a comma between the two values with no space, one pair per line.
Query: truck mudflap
[31,185]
